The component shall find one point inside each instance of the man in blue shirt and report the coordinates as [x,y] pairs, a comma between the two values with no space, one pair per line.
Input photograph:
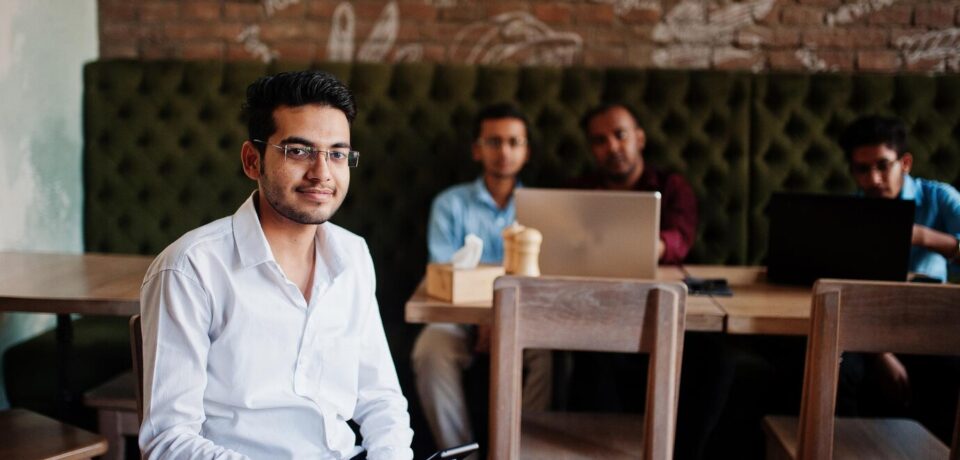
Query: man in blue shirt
[483,207]
[921,386]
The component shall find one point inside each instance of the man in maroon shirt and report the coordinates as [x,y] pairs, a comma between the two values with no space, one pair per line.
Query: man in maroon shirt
[617,141]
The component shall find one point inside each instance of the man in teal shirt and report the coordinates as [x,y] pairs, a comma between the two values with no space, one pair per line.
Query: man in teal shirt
[924,387]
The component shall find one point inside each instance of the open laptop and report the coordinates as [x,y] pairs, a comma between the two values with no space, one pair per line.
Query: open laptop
[593,232]
[838,236]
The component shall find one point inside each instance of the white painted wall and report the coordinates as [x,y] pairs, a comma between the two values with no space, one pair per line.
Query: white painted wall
[43,46]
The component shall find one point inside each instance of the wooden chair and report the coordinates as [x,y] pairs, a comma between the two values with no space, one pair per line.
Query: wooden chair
[28,435]
[116,404]
[866,316]
[136,351]
[590,315]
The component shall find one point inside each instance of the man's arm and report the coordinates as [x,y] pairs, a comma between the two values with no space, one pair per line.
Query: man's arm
[443,236]
[381,407]
[175,316]
[944,242]
[678,219]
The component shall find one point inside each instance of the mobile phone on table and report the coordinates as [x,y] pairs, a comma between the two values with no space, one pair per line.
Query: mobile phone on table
[455,453]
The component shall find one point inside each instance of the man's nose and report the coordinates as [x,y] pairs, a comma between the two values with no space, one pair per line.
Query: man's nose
[320,168]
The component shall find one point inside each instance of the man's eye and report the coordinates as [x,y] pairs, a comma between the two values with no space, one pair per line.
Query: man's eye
[339,155]
[298,152]
[620,134]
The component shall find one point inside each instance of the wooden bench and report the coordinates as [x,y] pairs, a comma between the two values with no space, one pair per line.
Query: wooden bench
[116,405]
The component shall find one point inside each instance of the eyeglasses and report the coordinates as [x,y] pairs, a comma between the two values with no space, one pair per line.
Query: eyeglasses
[882,166]
[498,142]
[302,153]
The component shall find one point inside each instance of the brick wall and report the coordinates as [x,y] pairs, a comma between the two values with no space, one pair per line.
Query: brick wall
[756,35]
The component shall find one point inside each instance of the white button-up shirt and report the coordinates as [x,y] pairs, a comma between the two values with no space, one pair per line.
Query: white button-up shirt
[237,364]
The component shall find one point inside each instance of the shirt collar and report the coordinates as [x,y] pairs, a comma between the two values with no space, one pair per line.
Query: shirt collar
[254,250]
[483,195]
[909,189]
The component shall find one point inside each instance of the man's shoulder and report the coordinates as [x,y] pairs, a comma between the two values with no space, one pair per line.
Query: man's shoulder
[459,193]
[213,238]
[341,235]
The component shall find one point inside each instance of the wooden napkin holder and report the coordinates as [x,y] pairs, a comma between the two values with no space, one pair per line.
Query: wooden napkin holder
[462,285]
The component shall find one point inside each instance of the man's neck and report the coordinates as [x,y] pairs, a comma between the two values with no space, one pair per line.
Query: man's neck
[292,244]
[500,188]
[627,182]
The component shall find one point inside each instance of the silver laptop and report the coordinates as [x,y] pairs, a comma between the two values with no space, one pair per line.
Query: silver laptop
[593,232]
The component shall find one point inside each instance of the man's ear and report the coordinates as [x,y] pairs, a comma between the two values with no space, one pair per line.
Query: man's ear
[250,159]
[641,138]
[475,152]
[907,162]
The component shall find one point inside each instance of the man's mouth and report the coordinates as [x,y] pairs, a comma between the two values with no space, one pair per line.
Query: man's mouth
[317,194]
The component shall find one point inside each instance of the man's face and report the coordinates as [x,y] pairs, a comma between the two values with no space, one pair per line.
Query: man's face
[877,170]
[303,191]
[501,147]
[616,142]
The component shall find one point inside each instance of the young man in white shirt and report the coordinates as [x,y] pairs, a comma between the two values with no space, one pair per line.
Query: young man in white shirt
[261,332]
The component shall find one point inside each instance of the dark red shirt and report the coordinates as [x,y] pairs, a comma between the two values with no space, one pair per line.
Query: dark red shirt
[678,208]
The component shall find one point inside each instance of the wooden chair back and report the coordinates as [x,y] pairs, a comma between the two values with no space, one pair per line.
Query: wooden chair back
[588,315]
[136,351]
[869,316]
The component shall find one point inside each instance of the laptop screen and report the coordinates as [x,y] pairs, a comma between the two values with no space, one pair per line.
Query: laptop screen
[593,232]
[838,236]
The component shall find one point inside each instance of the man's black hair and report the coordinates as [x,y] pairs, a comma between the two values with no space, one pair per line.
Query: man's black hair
[585,121]
[498,112]
[292,89]
[873,130]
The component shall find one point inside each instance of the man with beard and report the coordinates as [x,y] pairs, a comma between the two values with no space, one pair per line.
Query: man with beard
[483,207]
[609,382]
[261,332]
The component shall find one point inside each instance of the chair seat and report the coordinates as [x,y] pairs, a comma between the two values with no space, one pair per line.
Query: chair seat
[856,438]
[29,435]
[116,394]
[579,435]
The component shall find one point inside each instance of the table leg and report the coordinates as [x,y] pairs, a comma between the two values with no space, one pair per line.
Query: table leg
[64,358]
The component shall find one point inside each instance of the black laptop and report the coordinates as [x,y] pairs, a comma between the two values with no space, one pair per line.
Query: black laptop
[838,236]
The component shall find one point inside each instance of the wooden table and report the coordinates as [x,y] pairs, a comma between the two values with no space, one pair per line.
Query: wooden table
[756,306]
[703,312]
[64,284]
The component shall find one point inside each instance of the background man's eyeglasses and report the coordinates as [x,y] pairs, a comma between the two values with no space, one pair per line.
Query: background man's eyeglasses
[498,142]
[302,153]
[882,166]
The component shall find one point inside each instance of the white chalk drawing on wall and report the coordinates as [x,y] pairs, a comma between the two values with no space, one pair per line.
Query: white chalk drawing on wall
[377,46]
[515,37]
[809,60]
[938,44]
[272,6]
[441,3]
[693,27]
[250,37]
[852,11]
[622,7]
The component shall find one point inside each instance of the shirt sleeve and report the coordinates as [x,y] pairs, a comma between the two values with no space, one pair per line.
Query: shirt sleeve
[678,219]
[949,207]
[381,408]
[175,317]
[443,237]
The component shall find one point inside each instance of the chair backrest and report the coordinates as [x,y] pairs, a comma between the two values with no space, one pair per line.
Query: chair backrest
[869,316]
[136,351]
[591,315]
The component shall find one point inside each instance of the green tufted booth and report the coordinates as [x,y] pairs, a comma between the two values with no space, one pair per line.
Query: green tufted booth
[161,153]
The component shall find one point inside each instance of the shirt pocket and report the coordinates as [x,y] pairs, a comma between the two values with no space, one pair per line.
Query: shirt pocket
[339,375]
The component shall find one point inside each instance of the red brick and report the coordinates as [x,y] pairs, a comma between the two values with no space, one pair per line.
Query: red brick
[935,15]
[237,52]
[119,49]
[837,60]
[418,12]
[772,18]
[244,11]
[468,13]
[604,56]
[802,15]
[642,16]
[164,51]
[778,37]
[275,31]
[322,9]
[202,50]
[784,60]
[159,12]
[204,10]
[729,58]
[826,3]
[198,31]
[295,50]
[495,9]
[878,61]
[434,53]
[288,9]
[593,13]
[553,13]
[957,19]
[119,32]
[924,65]
[895,14]
[116,11]
[639,55]
[834,37]
[602,36]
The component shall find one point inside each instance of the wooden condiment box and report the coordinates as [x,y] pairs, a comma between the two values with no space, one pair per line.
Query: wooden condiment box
[462,285]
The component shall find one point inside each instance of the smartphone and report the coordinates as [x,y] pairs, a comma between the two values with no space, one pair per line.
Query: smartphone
[455,453]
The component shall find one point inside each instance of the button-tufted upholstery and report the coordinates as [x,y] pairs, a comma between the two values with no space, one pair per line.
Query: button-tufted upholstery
[162,142]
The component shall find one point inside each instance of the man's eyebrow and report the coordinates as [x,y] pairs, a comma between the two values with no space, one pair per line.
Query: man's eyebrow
[296,140]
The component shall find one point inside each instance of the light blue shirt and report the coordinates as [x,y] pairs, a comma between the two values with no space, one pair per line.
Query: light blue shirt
[463,209]
[937,207]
